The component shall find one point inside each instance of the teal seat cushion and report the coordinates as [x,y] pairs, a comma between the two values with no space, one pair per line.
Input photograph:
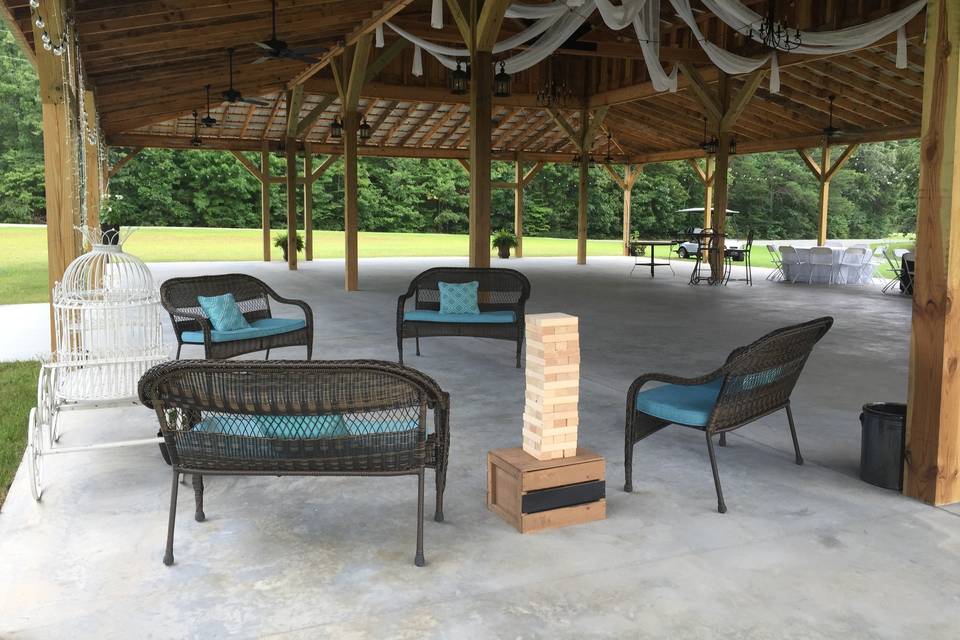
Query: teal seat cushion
[681,404]
[359,425]
[258,329]
[459,298]
[287,427]
[484,317]
[223,312]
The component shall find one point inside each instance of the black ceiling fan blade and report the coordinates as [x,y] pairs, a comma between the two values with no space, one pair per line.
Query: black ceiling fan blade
[254,101]
[262,59]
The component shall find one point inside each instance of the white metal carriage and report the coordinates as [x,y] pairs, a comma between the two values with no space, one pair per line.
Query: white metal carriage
[106,315]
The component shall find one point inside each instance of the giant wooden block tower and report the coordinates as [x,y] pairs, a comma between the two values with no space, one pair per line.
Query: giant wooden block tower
[550,415]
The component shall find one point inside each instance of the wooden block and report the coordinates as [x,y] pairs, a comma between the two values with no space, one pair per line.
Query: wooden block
[512,474]
[550,320]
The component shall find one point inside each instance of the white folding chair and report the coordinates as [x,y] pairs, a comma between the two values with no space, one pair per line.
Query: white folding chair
[851,265]
[790,263]
[777,264]
[834,243]
[821,260]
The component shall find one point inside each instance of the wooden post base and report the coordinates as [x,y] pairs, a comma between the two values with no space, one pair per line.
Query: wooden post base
[534,494]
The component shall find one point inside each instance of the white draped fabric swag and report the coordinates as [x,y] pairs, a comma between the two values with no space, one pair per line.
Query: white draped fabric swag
[556,22]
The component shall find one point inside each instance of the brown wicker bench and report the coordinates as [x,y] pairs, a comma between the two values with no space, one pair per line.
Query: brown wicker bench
[755,381]
[502,295]
[191,326]
[345,418]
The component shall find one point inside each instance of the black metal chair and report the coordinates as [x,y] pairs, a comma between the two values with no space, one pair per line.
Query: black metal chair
[755,381]
[299,418]
[707,240]
[192,327]
[501,297]
[740,254]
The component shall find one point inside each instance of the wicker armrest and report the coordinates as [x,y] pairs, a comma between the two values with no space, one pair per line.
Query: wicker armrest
[199,318]
[668,379]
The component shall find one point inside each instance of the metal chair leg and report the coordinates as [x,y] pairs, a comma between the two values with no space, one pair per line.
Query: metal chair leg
[628,461]
[441,477]
[168,554]
[179,347]
[267,357]
[418,559]
[723,439]
[418,343]
[793,434]
[519,349]
[721,506]
[198,515]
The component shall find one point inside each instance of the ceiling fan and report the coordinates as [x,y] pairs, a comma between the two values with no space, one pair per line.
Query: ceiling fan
[208,120]
[233,96]
[831,131]
[277,49]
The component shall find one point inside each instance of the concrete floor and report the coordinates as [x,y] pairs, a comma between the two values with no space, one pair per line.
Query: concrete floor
[804,552]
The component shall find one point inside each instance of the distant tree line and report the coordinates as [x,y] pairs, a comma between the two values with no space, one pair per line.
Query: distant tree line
[874,195]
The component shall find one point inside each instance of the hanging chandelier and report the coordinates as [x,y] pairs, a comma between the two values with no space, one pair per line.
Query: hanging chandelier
[774,34]
[553,93]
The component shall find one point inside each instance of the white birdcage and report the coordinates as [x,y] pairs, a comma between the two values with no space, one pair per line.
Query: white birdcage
[106,314]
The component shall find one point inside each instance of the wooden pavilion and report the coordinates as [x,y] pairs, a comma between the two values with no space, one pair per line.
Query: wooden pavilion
[130,73]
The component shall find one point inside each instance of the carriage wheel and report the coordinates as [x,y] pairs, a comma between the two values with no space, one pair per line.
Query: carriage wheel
[35,455]
[44,395]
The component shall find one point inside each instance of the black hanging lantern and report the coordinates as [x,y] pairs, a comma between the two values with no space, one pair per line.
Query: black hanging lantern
[195,141]
[459,80]
[733,146]
[364,131]
[336,128]
[576,159]
[501,82]
[710,146]
[608,159]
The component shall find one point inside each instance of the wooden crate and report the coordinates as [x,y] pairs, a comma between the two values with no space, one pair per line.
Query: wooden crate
[550,416]
[536,494]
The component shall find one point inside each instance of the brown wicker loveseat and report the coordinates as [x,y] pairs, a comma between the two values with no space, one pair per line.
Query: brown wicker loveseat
[191,326]
[755,381]
[347,418]
[501,296]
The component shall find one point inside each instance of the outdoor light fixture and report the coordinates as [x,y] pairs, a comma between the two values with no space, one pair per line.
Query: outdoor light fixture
[208,120]
[336,128]
[608,159]
[576,158]
[553,93]
[501,82]
[733,146]
[710,146]
[831,131]
[459,80]
[196,141]
[364,130]
[776,35]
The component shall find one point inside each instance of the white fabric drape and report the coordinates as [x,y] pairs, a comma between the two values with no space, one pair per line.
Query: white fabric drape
[378,37]
[556,22]
[742,18]
[417,62]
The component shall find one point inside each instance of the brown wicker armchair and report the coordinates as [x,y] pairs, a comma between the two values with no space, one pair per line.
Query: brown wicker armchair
[346,418]
[191,326]
[755,381]
[502,295]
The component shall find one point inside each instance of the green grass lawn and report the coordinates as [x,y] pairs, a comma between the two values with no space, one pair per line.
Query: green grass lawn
[19,383]
[23,250]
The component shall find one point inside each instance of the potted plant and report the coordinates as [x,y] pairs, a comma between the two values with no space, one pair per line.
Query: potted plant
[503,241]
[281,242]
[110,218]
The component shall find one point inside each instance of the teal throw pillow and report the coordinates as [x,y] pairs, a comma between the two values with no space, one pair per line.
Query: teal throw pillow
[223,312]
[459,298]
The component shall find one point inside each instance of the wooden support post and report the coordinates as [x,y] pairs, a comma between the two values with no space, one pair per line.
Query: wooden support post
[291,152]
[350,214]
[481,102]
[518,205]
[932,469]
[582,204]
[265,201]
[93,169]
[627,195]
[824,204]
[719,219]
[307,203]
[709,171]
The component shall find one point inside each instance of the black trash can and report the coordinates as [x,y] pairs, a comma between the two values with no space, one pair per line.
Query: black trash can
[883,435]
